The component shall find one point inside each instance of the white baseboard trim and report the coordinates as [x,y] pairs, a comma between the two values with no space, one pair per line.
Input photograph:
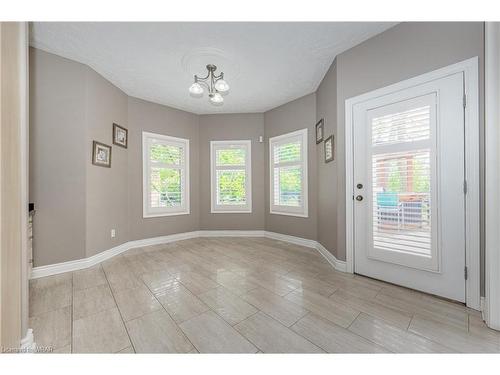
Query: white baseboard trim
[162,239]
[231,233]
[339,265]
[75,265]
[28,342]
[484,310]
[291,239]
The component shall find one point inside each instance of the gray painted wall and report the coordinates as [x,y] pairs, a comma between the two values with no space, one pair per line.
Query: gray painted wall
[57,157]
[155,118]
[106,188]
[296,115]
[326,108]
[79,203]
[232,127]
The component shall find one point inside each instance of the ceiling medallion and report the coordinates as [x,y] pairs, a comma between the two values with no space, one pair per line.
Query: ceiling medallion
[215,85]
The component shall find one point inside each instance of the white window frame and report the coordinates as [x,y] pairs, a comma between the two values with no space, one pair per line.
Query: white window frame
[300,135]
[184,208]
[220,208]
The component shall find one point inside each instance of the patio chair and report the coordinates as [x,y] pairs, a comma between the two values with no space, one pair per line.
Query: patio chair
[388,208]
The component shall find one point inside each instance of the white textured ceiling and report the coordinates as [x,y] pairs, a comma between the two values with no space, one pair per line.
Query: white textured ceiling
[266,64]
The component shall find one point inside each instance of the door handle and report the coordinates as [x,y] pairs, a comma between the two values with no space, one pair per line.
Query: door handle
[359,198]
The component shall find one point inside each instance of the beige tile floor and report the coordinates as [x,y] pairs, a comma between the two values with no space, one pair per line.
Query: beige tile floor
[242,295]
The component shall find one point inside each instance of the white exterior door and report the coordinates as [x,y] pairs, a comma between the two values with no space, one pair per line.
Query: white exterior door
[409,165]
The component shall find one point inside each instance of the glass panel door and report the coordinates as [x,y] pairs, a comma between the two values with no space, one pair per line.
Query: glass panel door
[402,167]
[409,203]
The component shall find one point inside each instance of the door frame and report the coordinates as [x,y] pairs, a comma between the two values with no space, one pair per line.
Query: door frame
[491,312]
[470,69]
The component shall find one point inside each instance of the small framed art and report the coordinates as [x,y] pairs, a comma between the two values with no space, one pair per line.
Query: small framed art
[329,149]
[120,135]
[101,154]
[319,131]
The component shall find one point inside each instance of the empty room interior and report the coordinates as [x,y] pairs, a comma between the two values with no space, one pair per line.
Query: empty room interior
[250,187]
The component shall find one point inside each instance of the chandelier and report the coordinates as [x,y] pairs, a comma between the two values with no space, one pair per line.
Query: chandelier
[215,85]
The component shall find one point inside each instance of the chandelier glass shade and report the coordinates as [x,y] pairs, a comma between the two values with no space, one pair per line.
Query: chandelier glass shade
[216,99]
[215,85]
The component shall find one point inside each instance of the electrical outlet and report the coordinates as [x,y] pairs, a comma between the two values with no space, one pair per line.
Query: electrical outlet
[113,233]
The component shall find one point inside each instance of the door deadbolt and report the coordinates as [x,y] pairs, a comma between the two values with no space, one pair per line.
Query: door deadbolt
[359,198]
[359,186]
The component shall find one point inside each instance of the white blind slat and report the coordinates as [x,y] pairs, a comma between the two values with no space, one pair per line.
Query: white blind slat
[231,187]
[166,154]
[287,152]
[408,126]
[401,183]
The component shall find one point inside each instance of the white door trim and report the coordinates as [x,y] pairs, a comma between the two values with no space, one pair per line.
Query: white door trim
[24,151]
[470,69]
[492,162]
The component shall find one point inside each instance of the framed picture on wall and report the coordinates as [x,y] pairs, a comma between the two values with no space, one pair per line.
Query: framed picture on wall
[120,135]
[101,154]
[319,131]
[329,151]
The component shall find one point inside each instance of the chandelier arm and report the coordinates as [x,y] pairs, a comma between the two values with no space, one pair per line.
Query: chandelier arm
[203,80]
[204,84]
[207,84]
[206,77]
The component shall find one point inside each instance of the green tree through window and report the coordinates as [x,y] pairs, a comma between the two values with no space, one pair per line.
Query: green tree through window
[230,177]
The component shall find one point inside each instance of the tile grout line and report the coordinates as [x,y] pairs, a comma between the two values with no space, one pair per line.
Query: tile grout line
[51,309]
[246,338]
[215,311]
[368,339]
[171,317]
[290,328]
[406,331]
[305,338]
[350,324]
[429,339]
[346,328]
[119,311]
[248,317]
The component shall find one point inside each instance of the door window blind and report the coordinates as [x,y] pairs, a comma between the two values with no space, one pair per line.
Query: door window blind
[401,178]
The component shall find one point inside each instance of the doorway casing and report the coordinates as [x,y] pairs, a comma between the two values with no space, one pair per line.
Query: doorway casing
[472,243]
[491,311]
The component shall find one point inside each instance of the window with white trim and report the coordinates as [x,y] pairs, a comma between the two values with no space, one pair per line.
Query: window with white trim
[165,163]
[288,174]
[231,176]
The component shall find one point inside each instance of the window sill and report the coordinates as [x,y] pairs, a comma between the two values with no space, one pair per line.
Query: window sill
[296,214]
[148,216]
[231,211]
